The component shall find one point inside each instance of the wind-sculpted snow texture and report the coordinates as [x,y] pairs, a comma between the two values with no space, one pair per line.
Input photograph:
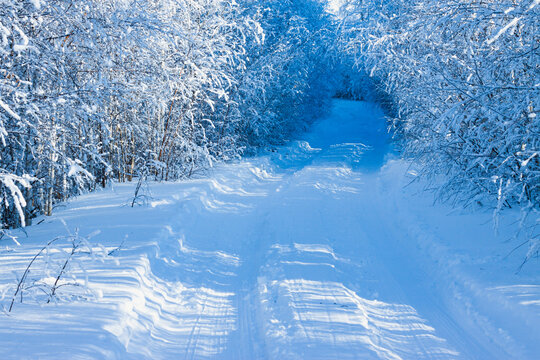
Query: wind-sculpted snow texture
[315,251]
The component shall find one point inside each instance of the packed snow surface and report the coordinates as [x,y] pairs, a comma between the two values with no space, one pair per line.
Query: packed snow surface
[320,249]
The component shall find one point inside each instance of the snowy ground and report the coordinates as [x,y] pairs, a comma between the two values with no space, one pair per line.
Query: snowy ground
[316,251]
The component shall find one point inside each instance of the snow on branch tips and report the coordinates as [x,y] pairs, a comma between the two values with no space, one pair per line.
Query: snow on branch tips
[11,195]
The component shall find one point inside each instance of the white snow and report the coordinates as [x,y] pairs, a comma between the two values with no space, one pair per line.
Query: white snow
[504,29]
[24,40]
[316,251]
[36,3]
[7,109]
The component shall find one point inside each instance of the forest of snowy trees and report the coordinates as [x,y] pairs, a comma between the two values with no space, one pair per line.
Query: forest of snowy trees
[96,91]
[463,79]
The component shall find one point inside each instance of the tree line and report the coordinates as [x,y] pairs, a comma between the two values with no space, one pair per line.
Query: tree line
[463,82]
[94,91]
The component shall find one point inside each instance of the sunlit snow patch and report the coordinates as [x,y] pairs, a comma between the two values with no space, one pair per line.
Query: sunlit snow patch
[326,320]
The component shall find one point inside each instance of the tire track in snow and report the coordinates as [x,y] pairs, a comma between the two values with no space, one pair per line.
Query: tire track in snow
[196,328]
[319,317]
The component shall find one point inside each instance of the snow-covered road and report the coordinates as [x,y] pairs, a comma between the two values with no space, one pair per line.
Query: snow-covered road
[314,251]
